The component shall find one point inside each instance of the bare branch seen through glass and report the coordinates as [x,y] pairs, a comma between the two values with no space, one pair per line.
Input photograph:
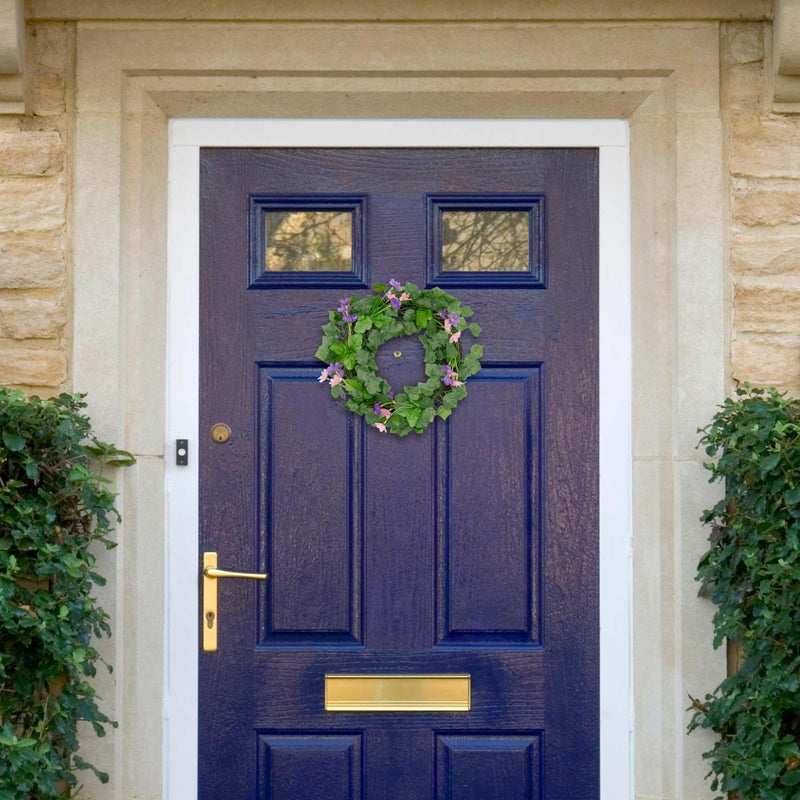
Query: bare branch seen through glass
[309,241]
[485,241]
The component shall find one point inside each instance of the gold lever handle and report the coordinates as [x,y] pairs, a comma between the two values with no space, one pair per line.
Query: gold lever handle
[210,572]
[210,576]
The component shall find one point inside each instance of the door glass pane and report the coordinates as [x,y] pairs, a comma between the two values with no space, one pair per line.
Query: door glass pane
[485,241]
[309,241]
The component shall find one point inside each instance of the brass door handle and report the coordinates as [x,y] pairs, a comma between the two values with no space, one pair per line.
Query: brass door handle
[210,576]
[210,572]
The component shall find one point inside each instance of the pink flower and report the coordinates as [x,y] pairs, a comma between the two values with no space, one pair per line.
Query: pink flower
[448,326]
[405,296]
[385,413]
[457,383]
[323,376]
[455,337]
[336,379]
[381,427]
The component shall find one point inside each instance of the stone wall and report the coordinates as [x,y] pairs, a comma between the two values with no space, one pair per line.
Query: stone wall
[763,153]
[35,176]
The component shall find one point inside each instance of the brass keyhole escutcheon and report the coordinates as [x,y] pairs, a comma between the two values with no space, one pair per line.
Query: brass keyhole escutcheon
[220,433]
[210,618]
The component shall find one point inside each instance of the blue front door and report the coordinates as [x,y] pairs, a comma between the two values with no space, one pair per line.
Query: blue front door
[468,550]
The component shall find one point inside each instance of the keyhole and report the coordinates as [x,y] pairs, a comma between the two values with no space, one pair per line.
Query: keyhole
[210,619]
[397,353]
[220,433]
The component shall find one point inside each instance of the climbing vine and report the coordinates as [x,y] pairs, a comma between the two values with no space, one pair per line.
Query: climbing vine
[752,572]
[55,508]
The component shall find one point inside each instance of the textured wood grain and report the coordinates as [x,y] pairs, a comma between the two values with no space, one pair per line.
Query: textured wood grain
[472,548]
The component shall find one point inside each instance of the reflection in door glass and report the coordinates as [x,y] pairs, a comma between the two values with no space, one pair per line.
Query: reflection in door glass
[309,241]
[485,241]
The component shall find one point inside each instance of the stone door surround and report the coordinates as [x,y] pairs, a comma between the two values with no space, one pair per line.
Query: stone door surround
[132,77]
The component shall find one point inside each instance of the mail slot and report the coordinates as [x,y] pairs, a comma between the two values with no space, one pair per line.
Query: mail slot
[397,692]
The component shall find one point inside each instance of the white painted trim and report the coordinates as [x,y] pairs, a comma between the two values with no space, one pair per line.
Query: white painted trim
[616,570]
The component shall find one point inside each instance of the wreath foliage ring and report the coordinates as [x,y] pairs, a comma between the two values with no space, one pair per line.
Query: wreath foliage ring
[360,326]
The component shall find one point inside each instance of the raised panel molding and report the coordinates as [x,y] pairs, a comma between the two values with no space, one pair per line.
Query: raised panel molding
[488,767]
[313,765]
[307,601]
[489,533]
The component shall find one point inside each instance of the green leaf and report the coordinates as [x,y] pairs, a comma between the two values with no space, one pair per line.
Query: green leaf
[792,496]
[423,317]
[475,329]
[13,441]
[791,778]
[363,324]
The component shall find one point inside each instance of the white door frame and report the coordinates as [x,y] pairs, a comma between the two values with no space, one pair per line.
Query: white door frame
[611,137]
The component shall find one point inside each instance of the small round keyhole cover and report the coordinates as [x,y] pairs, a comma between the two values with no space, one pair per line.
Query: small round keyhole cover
[220,433]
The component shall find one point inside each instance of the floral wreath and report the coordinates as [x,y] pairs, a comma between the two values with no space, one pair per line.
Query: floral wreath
[359,327]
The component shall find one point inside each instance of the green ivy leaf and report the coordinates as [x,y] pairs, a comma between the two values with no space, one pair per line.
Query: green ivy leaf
[13,441]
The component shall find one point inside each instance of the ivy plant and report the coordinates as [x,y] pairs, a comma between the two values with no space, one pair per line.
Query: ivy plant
[55,509]
[752,572]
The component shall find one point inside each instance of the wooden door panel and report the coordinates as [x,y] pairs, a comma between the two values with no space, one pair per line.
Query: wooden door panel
[309,766]
[310,531]
[488,767]
[489,512]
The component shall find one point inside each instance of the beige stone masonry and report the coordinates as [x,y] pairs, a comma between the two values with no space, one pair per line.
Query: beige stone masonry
[772,308]
[35,184]
[764,178]
[767,362]
[762,255]
[765,147]
[29,366]
[765,203]
[31,153]
[32,204]
[358,10]
[31,318]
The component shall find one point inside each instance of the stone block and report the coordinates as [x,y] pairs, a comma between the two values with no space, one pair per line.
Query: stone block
[769,308]
[745,43]
[32,204]
[31,260]
[766,362]
[766,255]
[31,318]
[48,95]
[31,153]
[744,87]
[766,203]
[31,366]
[765,147]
